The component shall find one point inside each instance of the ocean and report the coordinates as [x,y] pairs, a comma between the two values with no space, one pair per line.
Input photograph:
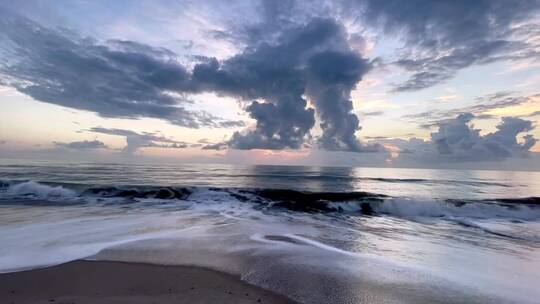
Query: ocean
[314,234]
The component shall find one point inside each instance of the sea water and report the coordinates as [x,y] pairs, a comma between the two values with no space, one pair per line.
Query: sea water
[315,234]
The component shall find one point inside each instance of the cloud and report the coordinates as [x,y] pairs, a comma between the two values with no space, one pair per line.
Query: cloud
[373,113]
[179,145]
[446,98]
[135,141]
[230,123]
[482,105]
[295,66]
[456,140]
[82,145]
[377,137]
[216,146]
[131,80]
[113,79]
[269,19]
[276,85]
[309,61]
[3,141]
[443,37]
[535,113]
[332,77]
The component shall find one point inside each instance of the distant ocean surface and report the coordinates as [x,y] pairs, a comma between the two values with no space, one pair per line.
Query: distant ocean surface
[315,234]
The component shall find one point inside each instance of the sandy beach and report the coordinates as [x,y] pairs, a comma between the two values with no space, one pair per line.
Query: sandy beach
[89,282]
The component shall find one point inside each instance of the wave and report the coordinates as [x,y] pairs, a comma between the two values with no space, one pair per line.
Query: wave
[32,188]
[353,203]
[479,209]
[526,200]
[307,201]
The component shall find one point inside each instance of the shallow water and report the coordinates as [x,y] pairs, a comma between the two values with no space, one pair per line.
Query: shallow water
[396,235]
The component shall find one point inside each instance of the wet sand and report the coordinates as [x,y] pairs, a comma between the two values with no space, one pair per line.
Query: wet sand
[91,282]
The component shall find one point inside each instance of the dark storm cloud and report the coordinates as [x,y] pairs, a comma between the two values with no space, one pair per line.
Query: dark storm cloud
[271,76]
[445,36]
[116,79]
[312,59]
[457,140]
[290,52]
[135,141]
[274,75]
[82,145]
[332,77]
[482,104]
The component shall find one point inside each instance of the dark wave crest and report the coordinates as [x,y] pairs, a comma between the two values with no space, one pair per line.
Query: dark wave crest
[179,193]
[359,203]
[312,201]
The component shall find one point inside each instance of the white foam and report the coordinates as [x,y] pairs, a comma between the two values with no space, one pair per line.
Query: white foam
[294,261]
[224,202]
[39,190]
[410,208]
[429,208]
[320,245]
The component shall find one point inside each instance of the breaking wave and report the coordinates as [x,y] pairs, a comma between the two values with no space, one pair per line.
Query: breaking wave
[352,203]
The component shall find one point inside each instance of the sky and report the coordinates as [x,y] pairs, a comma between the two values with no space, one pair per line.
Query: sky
[419,83]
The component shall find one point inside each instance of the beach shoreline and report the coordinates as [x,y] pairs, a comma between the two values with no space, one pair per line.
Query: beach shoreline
[89,282]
